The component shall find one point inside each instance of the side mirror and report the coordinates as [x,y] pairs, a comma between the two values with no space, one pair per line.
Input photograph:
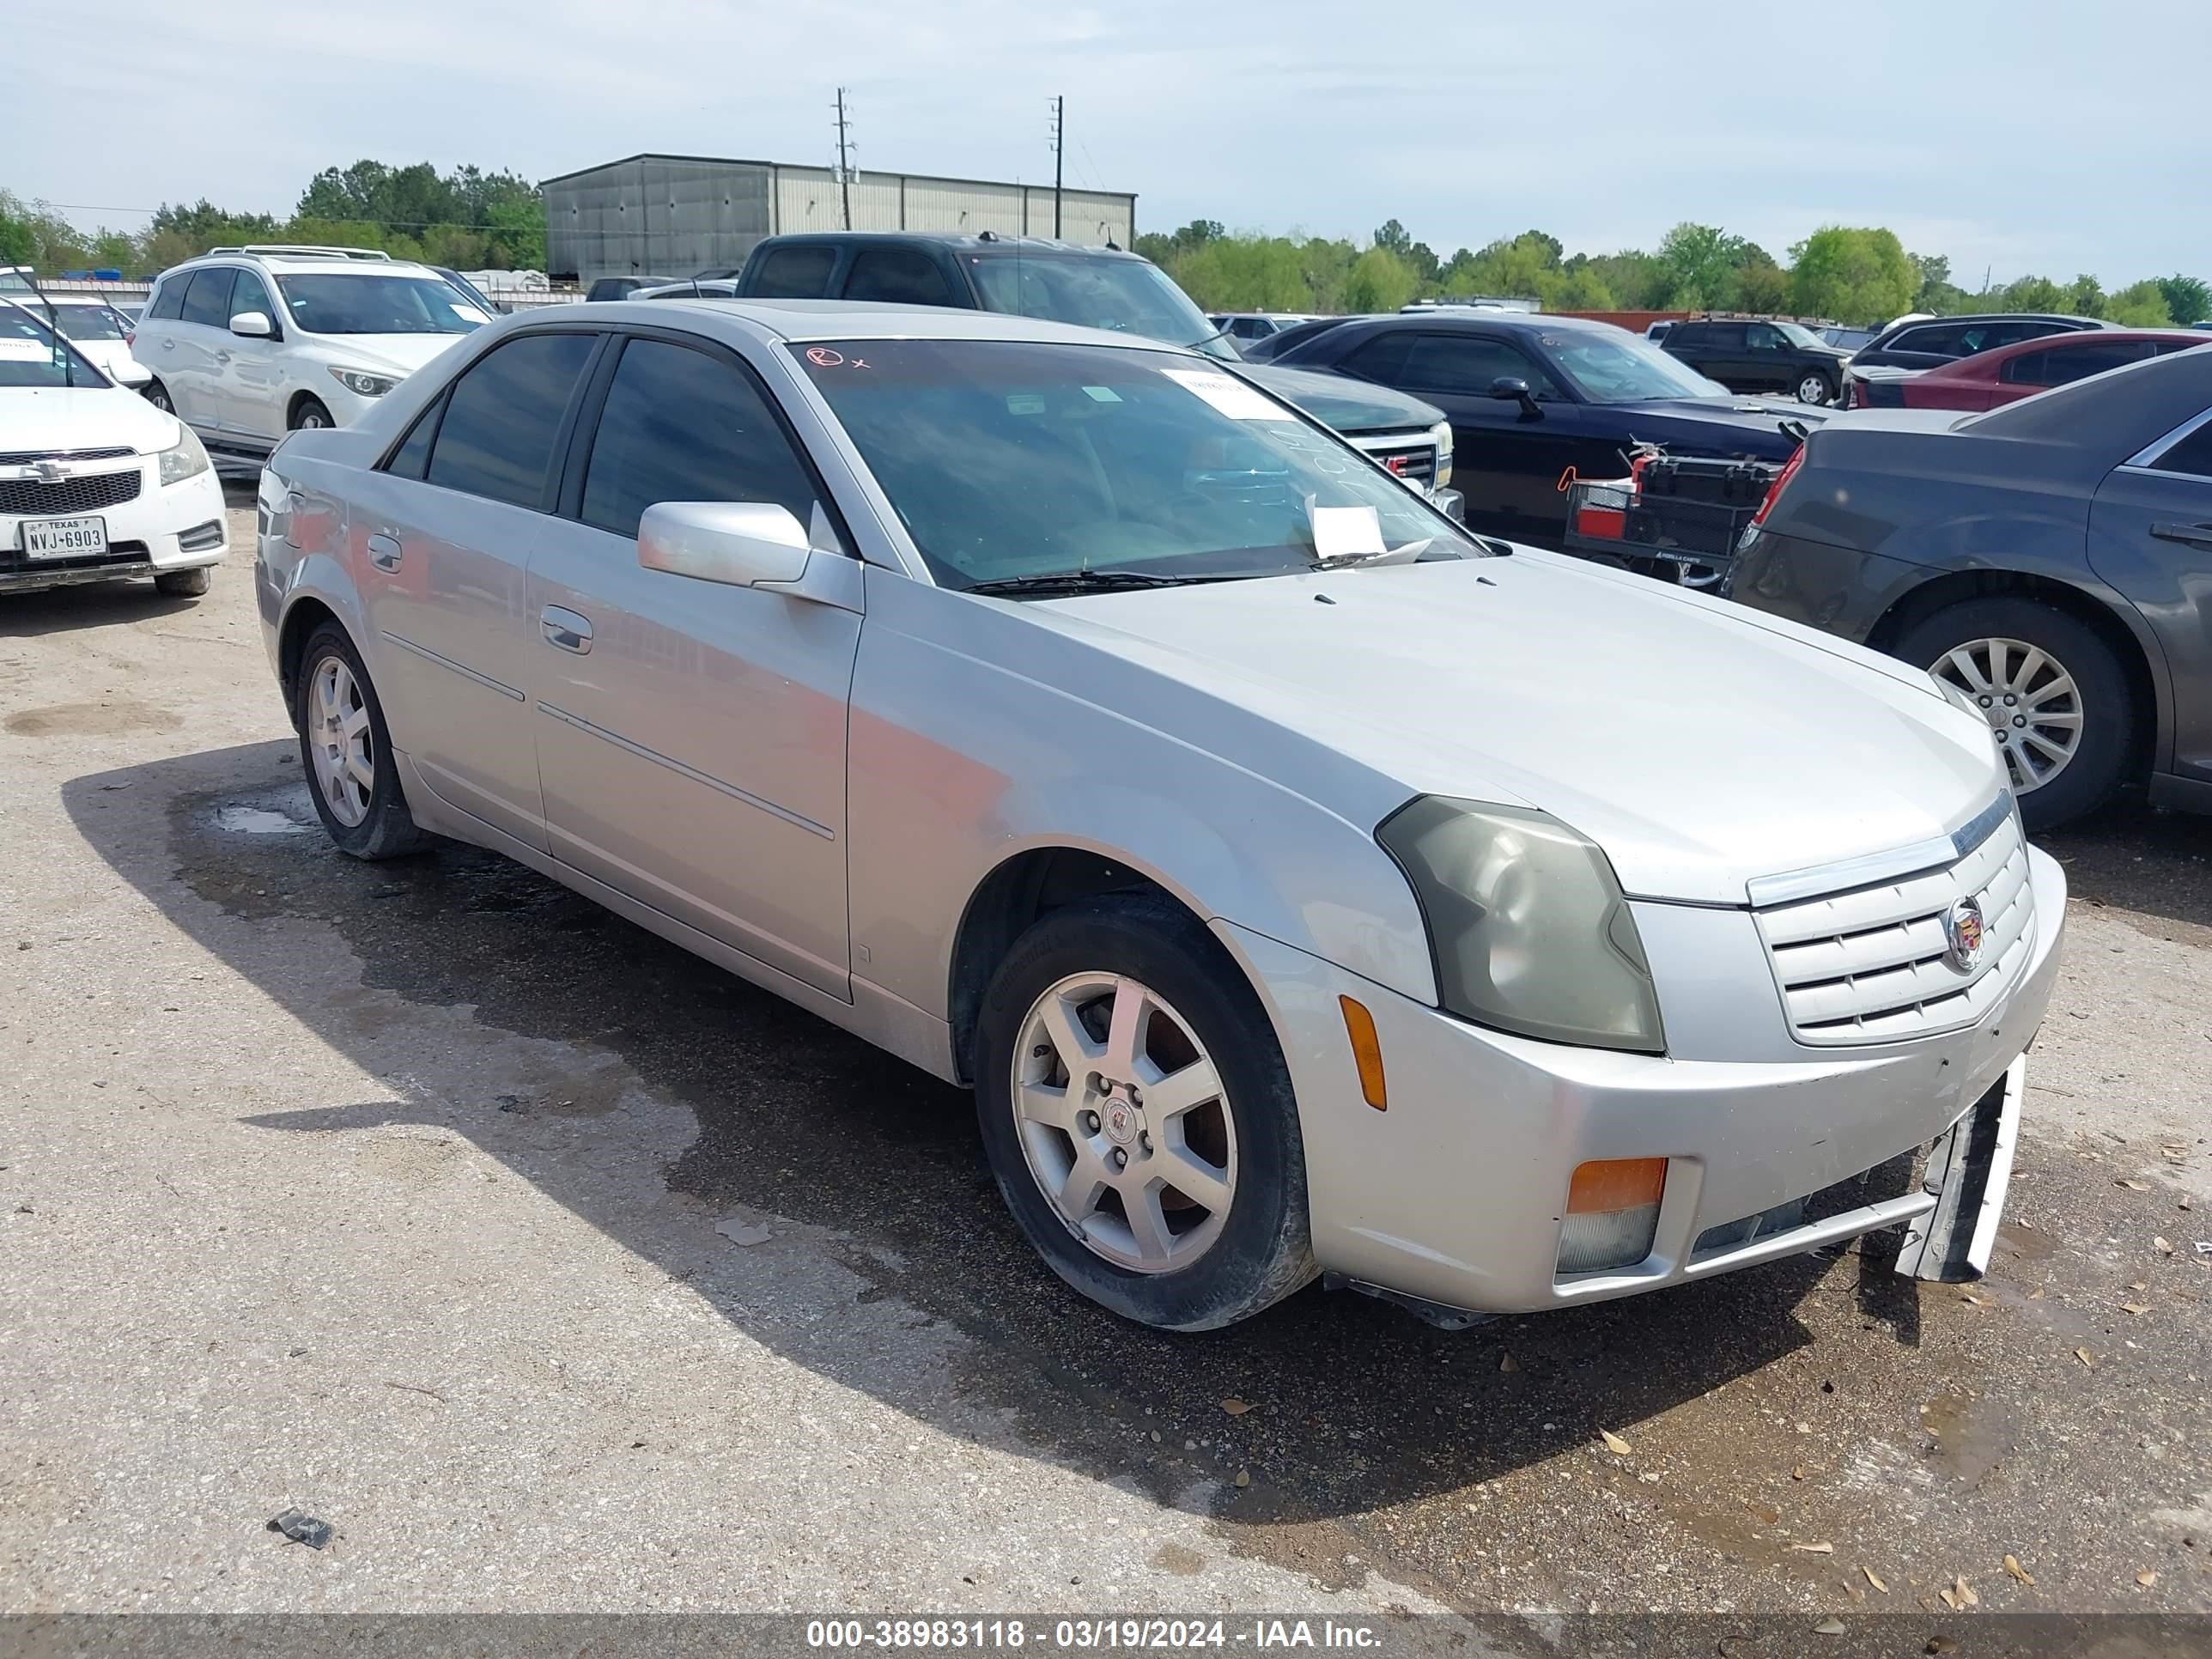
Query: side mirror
[738,544]
[1511,388]
[252,324]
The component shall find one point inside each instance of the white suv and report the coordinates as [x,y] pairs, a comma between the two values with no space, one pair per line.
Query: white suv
[246,344]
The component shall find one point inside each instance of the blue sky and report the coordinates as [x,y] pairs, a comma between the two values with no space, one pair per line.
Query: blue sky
[2022,137]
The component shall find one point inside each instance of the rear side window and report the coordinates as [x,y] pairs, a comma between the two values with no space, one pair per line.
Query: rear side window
[1382,359]
[502,415]
[1468,365]
[1690,336]
[897,275]
[208,300]
[2192,455]
[795,273]
[1725,337]
[2062,365]
[170,301]
[679,425]
[1942,341]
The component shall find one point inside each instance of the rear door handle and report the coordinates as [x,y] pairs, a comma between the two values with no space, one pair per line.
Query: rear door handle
[385,551]
[2197,535]
[168,346]
[223,356]
[566,630]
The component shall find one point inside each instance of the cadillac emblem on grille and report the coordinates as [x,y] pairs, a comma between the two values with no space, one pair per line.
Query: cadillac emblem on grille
[1963,934]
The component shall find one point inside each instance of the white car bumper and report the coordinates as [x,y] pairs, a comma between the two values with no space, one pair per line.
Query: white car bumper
[151,527]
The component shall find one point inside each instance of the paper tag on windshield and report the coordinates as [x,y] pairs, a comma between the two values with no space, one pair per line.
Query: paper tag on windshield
[470,315]
[25,351]
[1231,395]
[1345,532]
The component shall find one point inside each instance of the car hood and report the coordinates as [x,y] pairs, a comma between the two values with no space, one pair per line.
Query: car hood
[51,419]
[1345,405]
[1701,745]
[397,354]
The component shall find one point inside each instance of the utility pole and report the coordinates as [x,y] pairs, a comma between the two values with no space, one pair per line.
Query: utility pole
[844,159]
[1059,152]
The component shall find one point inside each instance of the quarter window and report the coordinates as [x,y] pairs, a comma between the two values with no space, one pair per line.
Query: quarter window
[795,273]
[679,425]
[208,299]
[502,415]
[897,275]
[2192,455]
[412,458]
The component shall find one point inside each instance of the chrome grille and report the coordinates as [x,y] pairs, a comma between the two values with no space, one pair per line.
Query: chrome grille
[1414,459]
[1870,965]
[36,498]
[32,457]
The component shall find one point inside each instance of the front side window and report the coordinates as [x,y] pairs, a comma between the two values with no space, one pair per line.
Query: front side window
[679,425]
[1760,338]
[249,294]
[1010,460]
[796,273]
[502,415]
[376,302]
[898,277]
[208,300]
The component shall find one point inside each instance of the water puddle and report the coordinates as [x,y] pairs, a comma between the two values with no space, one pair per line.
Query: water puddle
[256,821]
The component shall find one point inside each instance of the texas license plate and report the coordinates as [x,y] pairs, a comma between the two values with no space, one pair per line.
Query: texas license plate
[64,538]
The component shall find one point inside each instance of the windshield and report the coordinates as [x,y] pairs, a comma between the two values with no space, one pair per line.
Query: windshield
[370,303]
[32,359]
[1797,334]
[88,323]
[1130,296]
[1617,368]
[1006,460]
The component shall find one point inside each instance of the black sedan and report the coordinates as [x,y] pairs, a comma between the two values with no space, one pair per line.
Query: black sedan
[1535,401]
[2049,562]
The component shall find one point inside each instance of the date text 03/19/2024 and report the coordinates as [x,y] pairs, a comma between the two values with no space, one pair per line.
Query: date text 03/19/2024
[1088,1635]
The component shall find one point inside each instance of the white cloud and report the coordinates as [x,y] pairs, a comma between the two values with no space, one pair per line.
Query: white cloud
[2022,136]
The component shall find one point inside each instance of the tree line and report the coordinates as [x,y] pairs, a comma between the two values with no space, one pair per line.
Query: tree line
[1858,275]
[465,219]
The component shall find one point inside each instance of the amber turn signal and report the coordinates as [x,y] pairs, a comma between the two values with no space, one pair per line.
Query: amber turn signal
[1367,1051]
[1618,1184]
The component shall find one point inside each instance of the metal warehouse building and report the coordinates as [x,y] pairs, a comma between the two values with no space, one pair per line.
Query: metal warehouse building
[673,216]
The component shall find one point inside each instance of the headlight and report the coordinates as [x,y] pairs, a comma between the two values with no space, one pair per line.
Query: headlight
[362,384]
[185,458]
[1526,925]
[1441,432]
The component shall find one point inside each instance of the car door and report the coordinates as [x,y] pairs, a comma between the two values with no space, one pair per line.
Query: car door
[1769,361]
[2150,537]
[1506,461]
[441,535]
[188,366]
[246,367]
[692,735]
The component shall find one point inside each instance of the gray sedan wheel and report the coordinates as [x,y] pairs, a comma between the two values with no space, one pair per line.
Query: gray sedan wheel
[346,752]
[1139,1117]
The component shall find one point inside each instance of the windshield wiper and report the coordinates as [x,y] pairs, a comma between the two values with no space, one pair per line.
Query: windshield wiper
[1083,581]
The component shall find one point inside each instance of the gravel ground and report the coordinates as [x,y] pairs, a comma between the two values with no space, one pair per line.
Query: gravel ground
[392,1193]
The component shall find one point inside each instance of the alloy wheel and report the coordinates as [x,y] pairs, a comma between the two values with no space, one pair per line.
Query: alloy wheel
[1125,1122]
[2030,701]
[1812,389]
[159,397]
[343,741]
[312,420]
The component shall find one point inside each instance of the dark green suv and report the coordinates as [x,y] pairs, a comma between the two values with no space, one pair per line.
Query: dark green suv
[1750,354]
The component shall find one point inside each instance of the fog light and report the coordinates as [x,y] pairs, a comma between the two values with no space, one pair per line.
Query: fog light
[1613,1213]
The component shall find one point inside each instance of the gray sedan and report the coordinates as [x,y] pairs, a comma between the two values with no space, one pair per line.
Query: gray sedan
[1304,886]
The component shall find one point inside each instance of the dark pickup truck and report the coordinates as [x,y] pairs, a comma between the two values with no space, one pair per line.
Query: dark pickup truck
[1103,288]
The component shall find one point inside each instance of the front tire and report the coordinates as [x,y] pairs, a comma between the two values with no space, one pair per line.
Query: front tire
[158,395]
[309,415]
[1815,389]
[184,584]
[2056,698]
[346,752]
[1139,1119]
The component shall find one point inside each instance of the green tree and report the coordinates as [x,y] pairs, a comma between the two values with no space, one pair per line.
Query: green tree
[1859,276]
[2188,299]
[1394,238]
[2032,293]
[1245,273]
[2084,297]
[2140,305]
[1702,261]
[1763,286]
[1378,281]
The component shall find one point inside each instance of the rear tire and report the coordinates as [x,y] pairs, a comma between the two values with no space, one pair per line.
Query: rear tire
[1242,1224]
[342,736]
[1816,389]
[1987,641]
[184,584]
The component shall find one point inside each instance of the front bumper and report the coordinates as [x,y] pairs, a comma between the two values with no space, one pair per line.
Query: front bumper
[180,526]
[1457,1194]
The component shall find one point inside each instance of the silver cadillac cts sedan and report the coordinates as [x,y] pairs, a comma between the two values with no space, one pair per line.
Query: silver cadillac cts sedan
[1304,887]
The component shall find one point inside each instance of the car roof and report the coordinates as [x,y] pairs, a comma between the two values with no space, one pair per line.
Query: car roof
[844,319]
[988,241]
[290,264]
[1522,322]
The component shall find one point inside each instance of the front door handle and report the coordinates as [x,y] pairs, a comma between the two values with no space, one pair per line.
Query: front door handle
[168,346]
[2197,535]
[223,356]
[385,551]
[566,630]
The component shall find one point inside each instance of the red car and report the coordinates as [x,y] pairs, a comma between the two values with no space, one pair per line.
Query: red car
[1990,380]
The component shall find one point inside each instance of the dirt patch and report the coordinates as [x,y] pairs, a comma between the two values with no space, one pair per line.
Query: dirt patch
[92,720]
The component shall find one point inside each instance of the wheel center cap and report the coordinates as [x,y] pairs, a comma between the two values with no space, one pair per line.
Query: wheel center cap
[1120,1120]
